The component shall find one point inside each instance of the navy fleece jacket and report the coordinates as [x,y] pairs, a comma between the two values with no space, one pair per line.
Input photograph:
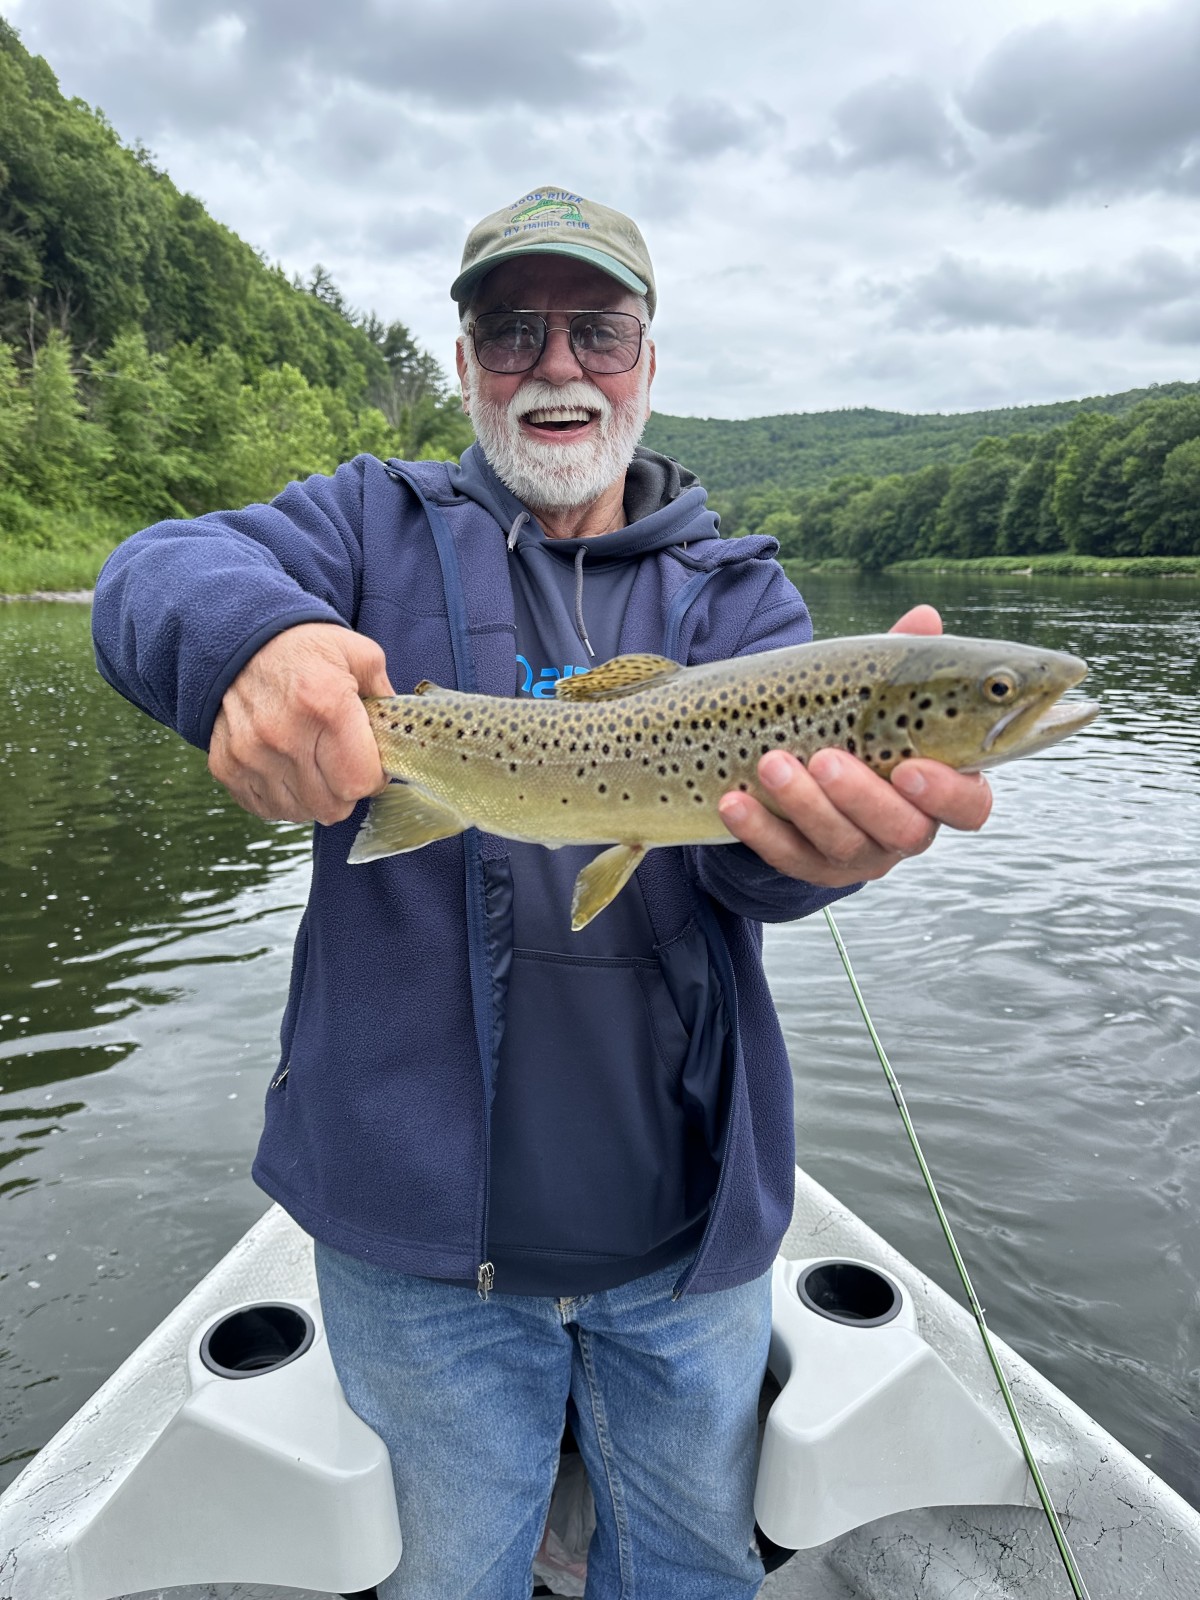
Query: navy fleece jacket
[379,1119]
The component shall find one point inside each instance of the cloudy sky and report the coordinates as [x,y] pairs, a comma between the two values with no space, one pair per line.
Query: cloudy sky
[923,206]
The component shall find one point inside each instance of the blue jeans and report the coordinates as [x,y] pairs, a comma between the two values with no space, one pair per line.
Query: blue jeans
[470,1397]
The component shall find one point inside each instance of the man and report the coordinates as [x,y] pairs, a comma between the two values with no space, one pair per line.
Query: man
[546,1172]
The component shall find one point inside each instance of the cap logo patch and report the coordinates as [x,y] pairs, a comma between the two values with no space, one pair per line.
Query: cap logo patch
[545,208]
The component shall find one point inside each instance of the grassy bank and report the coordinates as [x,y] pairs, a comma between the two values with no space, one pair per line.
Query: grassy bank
[53,551]
[1060,565]
[69,558]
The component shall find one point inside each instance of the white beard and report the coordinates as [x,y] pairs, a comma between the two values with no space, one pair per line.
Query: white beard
[557,477]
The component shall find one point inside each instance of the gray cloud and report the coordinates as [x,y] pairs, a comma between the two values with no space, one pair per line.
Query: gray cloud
[700,129]
[1109,107]
[1156,293]
[897,121]
[243,65]
[1103,107]
[399,231]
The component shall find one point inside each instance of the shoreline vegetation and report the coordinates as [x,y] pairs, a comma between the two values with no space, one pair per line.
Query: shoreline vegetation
[153,365]
[70,575]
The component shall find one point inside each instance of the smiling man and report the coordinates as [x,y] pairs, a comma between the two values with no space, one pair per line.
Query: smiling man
[546,1172]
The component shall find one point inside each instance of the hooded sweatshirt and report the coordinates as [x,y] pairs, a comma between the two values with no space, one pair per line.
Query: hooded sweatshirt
[384,1107]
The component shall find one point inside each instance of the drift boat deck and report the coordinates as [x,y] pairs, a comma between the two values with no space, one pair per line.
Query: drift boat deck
[896,1470]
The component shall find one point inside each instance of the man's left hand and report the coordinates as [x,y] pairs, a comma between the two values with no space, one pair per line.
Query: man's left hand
[841,823]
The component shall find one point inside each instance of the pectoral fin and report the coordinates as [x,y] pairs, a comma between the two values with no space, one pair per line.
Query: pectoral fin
[602,880]
[402,818]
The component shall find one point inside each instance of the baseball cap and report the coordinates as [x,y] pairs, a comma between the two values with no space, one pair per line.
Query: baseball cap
[550,221]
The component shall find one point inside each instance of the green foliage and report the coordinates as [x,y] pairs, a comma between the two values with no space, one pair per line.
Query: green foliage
[151,363]
[736,459]
[1108,486]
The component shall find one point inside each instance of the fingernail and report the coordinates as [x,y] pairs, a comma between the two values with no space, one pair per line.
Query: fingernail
[829,768]
[775,770]
[733,808]
[910,781]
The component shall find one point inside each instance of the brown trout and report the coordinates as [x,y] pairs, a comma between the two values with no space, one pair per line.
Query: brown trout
[636,752]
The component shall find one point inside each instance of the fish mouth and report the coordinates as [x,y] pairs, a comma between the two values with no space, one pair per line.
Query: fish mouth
[1029,728]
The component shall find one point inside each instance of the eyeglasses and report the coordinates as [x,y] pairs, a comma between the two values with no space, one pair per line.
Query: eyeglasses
[513,341]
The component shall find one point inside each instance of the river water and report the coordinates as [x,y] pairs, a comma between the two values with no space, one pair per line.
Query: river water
[1036,988]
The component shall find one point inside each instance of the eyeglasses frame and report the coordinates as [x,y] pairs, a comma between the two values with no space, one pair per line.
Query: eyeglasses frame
[585,311]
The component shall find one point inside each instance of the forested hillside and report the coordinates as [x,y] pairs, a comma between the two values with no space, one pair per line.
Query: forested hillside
[1100,485]
[805,450]
[151,362]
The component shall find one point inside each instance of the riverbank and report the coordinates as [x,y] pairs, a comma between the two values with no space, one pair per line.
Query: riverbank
[1061,564]
[70,572]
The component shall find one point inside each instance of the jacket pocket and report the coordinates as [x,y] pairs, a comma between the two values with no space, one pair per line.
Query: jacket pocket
[590,1141]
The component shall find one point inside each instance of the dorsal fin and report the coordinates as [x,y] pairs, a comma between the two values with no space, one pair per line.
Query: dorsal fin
[611,679]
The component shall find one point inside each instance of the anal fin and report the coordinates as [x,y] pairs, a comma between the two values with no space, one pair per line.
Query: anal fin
[402,818]
[602,880]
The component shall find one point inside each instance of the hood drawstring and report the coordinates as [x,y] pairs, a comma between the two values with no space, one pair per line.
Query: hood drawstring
[519,522]
[580,625]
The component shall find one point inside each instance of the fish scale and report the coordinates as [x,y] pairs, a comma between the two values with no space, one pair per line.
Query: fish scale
[637,752]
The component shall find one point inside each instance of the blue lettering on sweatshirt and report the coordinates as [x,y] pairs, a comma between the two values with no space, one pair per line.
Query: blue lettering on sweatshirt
[543,687]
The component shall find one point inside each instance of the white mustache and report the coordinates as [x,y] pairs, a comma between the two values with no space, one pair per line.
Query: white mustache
[537,395]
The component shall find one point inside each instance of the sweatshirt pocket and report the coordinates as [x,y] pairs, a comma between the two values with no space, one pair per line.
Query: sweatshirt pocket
[590,1143]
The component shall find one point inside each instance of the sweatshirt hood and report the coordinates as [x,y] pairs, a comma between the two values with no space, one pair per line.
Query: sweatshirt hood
[664,505]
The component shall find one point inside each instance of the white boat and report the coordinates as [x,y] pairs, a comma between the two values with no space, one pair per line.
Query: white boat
[220,1461]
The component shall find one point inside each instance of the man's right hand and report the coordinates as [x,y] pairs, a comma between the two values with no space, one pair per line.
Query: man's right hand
[291,740]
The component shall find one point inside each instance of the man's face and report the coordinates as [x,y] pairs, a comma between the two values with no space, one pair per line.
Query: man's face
[558,436]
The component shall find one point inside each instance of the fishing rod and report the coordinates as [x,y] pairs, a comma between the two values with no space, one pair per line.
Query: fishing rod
[1078,1587]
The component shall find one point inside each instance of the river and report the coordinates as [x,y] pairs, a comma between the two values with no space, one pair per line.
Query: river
[1035,986]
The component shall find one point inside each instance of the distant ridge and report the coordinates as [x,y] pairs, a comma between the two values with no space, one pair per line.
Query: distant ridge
[802,450]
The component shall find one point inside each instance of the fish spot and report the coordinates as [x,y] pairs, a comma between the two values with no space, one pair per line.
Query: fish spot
[852,746]
[601,788]
[864,693]
[951,711]
[907,751]
[919,723]
[699,799]
[744,786]
[722,773]
[512,766]
[665,799]
[924,705]
[902,721]
[885,755]
[565,801]
[624,797]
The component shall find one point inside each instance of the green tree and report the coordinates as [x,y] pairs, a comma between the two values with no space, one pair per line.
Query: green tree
[132,403]
[1178,528]
[61,451]
[282,433]
[968,523]
[1075,481]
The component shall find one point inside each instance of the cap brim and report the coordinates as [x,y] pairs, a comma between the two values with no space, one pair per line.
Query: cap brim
[580,252]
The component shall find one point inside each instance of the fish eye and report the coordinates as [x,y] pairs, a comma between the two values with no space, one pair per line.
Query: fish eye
[999,687]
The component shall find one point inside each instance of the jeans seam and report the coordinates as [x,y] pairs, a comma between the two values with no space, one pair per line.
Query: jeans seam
[612,1476]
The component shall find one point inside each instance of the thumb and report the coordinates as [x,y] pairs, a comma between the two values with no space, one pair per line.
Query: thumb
[920,619]
[367,664]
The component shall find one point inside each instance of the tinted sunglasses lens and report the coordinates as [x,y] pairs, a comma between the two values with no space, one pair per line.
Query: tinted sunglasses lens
[507,341]
[606,341]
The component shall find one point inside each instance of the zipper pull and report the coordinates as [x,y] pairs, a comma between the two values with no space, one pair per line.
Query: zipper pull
[484,1279]
[277,1082]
